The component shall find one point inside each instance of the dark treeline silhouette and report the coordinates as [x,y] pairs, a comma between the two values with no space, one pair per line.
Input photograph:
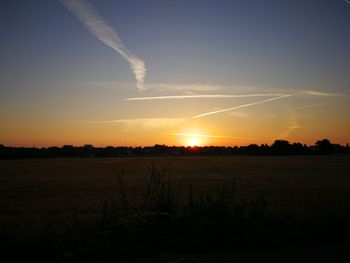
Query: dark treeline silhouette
[279,147]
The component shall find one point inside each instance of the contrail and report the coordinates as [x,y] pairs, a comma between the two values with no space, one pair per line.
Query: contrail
[204,96]
[241,106]
[323,94]
[86,13]
[311,106]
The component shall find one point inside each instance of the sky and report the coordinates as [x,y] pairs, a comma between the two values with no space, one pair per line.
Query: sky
[174,72]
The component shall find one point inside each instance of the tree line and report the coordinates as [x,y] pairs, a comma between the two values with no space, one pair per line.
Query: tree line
[278,147]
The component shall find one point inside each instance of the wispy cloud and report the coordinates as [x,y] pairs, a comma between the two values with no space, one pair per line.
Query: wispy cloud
[183,89]
[203,96]
[321,93]
[160,87]
[194,87]
[311,106]
[240,106]
[144,123]
[241,115]
[292,126]
[86,13]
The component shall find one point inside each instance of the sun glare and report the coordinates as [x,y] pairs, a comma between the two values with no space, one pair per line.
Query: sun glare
[194,141]
[193,137]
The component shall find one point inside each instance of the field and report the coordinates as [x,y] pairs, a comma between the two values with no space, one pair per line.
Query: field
[41,194]
[35,191]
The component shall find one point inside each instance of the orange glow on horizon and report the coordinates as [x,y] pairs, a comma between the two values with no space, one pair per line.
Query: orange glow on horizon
[194,141]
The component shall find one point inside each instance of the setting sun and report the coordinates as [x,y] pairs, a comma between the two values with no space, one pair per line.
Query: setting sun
[194,141]
[193,136]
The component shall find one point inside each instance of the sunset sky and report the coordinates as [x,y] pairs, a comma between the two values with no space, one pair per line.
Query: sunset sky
[133,72]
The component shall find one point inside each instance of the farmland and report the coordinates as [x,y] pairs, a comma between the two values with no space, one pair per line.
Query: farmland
[38,192]
[41,195]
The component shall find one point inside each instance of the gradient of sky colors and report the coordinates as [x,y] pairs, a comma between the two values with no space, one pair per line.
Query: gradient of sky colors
[232,72]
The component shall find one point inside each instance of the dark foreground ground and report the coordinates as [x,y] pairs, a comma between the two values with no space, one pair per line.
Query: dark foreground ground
[338,253]
[48,197]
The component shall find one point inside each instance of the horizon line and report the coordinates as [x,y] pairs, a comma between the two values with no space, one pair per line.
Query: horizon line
[162,144]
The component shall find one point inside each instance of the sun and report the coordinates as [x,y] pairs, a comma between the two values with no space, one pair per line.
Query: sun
[193,141]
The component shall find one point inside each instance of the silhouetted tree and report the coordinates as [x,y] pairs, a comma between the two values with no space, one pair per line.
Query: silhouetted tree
[298,148]
[281,147]
[324,146]
[253,149]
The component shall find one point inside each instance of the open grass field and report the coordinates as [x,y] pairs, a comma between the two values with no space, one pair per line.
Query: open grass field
[36,194]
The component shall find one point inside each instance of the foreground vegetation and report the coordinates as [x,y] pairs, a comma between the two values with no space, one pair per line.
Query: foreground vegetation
[166,218]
